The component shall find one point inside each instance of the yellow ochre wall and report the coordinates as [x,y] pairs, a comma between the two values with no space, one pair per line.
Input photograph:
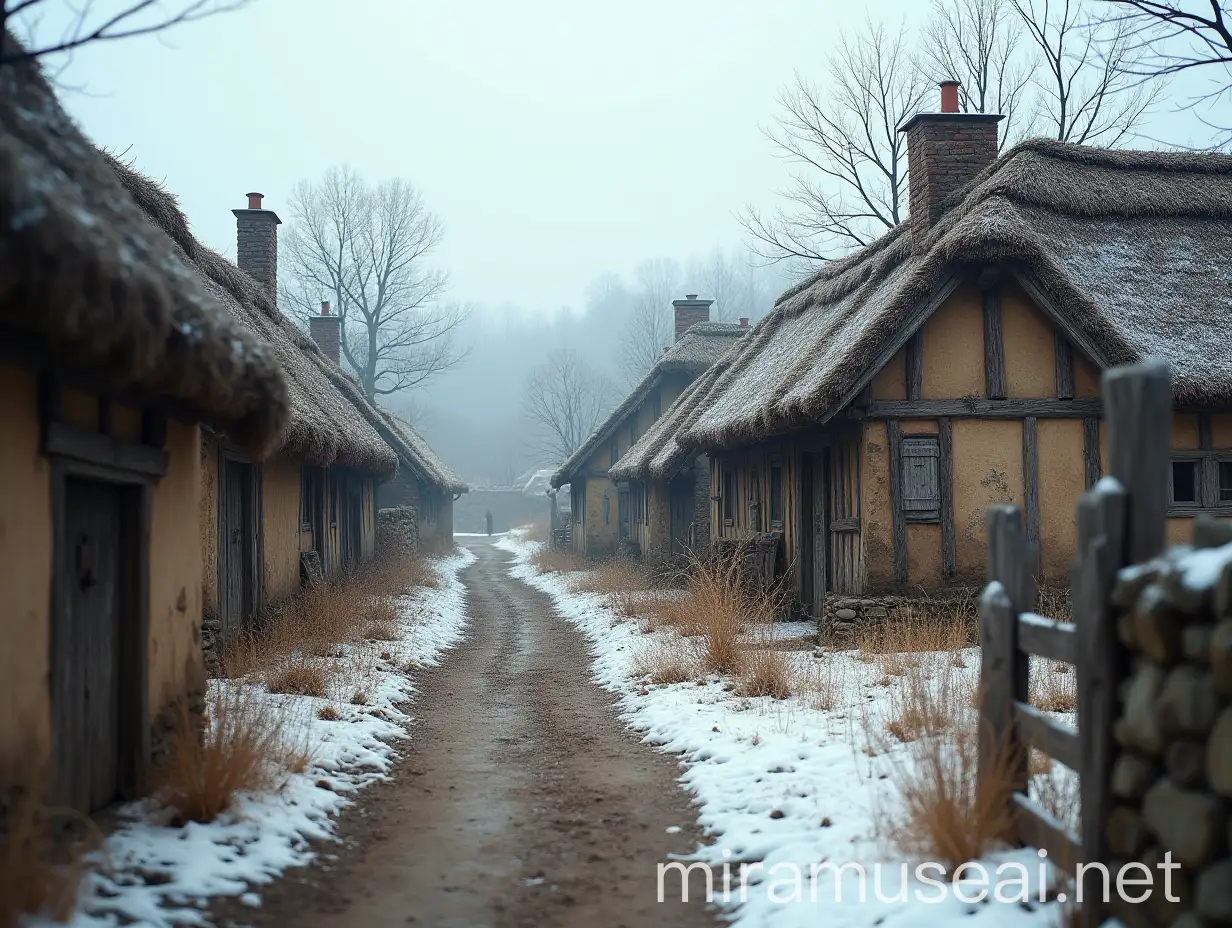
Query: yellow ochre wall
[174,570]
[280,522]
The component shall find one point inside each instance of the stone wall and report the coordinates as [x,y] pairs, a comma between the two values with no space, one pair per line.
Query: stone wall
[397,529]
[844,615]
[1172,780]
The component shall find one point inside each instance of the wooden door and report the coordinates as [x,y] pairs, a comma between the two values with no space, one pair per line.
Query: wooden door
[622,513]
[807,536]
[354,520]
[86,645]
[680,512]
[236,547]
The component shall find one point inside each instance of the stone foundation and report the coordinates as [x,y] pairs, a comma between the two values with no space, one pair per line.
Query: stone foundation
[846,614]
[169,719]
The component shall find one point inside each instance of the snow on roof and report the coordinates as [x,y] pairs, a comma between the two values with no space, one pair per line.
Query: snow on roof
[699,347]
[1130,246]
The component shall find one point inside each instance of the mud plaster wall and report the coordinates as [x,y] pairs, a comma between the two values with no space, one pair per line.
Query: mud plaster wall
[280,512]
[176,665]
[25,570]
[1062,479]
[987,470]
[598,538]
[1030,350]
[954,347]
[1086,376]
[876,528]
[890,383]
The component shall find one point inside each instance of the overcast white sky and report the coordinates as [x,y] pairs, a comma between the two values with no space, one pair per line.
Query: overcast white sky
[557,138]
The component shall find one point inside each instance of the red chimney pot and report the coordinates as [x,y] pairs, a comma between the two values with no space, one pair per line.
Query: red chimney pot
[254,200]
[949,96]
[325,307]
[744,322]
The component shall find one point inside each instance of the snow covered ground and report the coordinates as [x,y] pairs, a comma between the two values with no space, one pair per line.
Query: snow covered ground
[801,789]
[151,874]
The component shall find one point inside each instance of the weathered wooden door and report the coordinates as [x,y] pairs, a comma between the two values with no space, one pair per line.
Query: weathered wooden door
[680,512]
[622,513]
[236,546]
[355,519]
[86,645]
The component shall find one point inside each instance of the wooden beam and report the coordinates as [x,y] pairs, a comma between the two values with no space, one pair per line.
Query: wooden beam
[1043,734]
[915,365]
[1036,828]
[1047,638]
[894,439]
[945,440]
[1039,296]
[994,345]
[1030,487]
[975,408]
[1090,450]
[1063,354]
[892,347]
[91,447]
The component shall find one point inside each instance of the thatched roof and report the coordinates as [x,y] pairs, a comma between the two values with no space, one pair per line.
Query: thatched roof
[82,269]
[699,347]
[415,453]
[332,421]
[1131,248]
[658,455]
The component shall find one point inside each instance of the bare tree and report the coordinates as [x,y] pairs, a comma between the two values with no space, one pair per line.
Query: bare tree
[86,26]
[564,399]
[1086,92]
[1172,37]
[846,139]
[979,43]
[366,247]
[738,285]
[650,327]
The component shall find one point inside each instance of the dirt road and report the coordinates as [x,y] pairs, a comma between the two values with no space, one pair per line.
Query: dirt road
[521,800]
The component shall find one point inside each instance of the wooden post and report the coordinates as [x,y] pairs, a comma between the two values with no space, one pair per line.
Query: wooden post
[1004,669]
[1101,527]
[1138,407]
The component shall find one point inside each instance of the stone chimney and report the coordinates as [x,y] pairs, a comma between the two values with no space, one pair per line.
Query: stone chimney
[690,311]
[256,243]
[327,333]
[944,151]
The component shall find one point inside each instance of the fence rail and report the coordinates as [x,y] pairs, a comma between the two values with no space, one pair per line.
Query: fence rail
[1120,521]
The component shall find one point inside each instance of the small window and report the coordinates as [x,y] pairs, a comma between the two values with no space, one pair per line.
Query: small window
[776,493]
[607,509]
[921,493]
[728,495]
[1185,489]
[1225,481]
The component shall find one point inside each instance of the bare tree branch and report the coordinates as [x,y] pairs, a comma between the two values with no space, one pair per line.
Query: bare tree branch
[852,180]
[366,248]
[650,327]
[86,27]
[564,400]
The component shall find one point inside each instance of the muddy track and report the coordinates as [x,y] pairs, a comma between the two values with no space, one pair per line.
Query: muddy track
[521,799]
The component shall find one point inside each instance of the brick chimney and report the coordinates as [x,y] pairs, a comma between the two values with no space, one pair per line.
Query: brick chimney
[256,243]
[690,311]
[744,322]
[944,151]
[327,333]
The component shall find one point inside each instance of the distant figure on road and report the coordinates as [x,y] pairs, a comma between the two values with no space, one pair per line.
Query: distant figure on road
[487,521]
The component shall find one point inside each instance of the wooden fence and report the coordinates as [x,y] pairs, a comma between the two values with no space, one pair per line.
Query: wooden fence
[1120,521]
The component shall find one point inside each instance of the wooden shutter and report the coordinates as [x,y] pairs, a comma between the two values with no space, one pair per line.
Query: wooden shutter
[921,494]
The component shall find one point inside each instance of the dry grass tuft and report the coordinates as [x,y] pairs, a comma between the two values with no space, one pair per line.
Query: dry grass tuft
[1053,686]
[359,698]
[666,659]
[300,679]
[823,682]
[247,746]
[1055,602]
[41,856]
[329,714]
[766,672]
[944,816]
[549,560]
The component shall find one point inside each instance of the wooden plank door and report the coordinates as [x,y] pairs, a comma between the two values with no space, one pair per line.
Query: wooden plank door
[236,573]
[820,531]
[806,535]
[680,512]
[86,645]
[622,513]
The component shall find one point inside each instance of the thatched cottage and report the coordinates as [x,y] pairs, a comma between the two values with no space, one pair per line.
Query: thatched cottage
[267,523]
[113,352]
[674,483]
[424,483]
[954,363]
[607,513]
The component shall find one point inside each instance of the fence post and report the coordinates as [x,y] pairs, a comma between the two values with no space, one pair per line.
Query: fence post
[1138,410]
[1004,668]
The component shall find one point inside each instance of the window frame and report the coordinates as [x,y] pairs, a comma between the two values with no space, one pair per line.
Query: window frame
[728,490]
[1195,504]
[1206,483]
[607,508]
